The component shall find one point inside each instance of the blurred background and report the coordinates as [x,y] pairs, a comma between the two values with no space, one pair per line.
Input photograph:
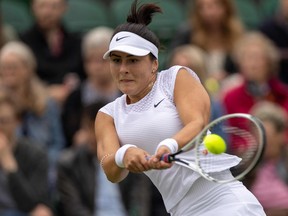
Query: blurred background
[54,78]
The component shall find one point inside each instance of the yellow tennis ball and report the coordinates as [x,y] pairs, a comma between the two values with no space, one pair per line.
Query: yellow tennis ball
[214,144]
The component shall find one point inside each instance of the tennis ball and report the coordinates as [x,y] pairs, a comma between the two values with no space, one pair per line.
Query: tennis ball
[214,144]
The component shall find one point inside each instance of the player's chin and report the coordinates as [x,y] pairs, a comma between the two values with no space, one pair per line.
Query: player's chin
[127,87]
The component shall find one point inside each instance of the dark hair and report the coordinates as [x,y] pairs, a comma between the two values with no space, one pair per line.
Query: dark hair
[139,19]
[90,111]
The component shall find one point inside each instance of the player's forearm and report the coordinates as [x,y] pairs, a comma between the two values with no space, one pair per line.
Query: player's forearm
[113,172]
[188,132]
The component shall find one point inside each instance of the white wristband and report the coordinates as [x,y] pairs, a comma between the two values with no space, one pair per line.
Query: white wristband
[119,156]
[170,143]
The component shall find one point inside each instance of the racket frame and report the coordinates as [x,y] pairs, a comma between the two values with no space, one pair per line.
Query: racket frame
[197,141]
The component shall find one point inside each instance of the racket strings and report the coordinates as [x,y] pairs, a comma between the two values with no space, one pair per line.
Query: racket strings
[249,139]
[242,141]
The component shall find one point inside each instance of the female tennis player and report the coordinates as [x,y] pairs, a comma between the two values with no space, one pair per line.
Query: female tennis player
[158,113]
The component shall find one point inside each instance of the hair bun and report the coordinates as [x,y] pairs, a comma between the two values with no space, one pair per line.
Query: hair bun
[142,15]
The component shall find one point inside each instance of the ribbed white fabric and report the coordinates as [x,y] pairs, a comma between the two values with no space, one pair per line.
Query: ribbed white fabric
[206,198]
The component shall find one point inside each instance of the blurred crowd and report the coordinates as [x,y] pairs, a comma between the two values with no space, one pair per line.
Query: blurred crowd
[53,80]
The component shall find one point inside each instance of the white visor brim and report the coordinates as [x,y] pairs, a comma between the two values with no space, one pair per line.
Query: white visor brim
[131,43]
[127,49]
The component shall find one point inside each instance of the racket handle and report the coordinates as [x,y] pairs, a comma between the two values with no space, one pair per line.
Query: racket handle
[166,158]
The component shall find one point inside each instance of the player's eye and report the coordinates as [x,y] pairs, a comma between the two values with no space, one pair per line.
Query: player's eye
[133,60]
[115,60]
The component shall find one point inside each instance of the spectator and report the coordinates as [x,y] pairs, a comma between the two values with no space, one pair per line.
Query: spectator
[40,113]
[98,86]
[23,169]
[258,61]
[276,28]
[57,51]
[193,57]
[213,26]
[82,185]
[190,56]
[141,197]
[271,176]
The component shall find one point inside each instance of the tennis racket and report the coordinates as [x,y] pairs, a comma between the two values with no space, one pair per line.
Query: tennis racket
[244,136]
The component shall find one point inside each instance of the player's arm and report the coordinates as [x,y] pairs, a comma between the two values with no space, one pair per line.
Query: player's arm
[107,145]
[134,159]
[193,105]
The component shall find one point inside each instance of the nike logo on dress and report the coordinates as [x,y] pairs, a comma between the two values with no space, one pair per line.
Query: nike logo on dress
[155,105]
[120,38]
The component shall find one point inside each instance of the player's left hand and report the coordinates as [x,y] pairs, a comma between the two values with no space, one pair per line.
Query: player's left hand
[155,161]
[135,160]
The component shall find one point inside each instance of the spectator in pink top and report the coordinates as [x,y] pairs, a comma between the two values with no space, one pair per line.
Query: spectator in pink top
[270,183]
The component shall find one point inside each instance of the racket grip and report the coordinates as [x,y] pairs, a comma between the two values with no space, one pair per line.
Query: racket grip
[166,158]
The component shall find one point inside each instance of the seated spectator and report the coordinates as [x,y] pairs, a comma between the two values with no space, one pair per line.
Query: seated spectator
[141,197]
[214,26]
[98,86]
[276,28]
[270,182]
[57,51]
[23,169]
[40,114]
[258,61]
[82,185]
[193,57]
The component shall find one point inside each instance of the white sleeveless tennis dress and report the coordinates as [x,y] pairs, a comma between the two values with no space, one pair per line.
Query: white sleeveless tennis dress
[185,193]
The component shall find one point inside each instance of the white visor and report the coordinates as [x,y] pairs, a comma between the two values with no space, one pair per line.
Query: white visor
[131,43]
